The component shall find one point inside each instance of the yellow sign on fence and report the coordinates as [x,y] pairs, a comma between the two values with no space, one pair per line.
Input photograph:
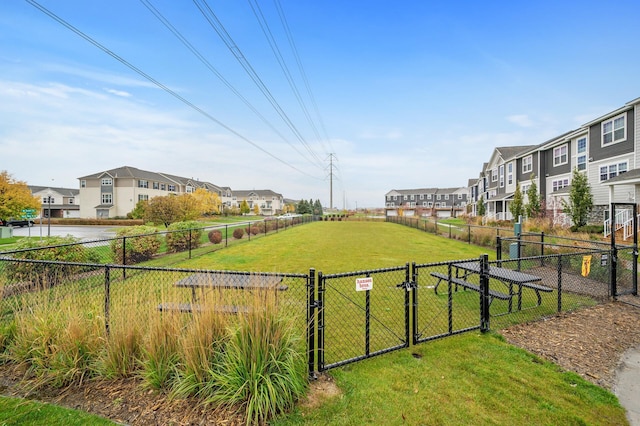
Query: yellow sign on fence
[586,265]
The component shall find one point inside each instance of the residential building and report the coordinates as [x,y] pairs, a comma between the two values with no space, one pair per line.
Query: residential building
[57,202]
[606,149]
[441,202]
[115,192]
[268,202]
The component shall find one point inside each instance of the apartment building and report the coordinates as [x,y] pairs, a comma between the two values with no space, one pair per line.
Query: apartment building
[115,192]
[441,202]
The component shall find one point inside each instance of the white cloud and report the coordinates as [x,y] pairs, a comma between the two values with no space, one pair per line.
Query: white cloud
[118,93]
[521,120]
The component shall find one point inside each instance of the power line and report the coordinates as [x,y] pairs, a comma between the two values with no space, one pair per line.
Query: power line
[156,82]
[294,49]
[215,23]
[264,25]
[208,64]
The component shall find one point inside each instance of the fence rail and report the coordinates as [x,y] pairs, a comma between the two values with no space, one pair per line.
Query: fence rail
[343,319]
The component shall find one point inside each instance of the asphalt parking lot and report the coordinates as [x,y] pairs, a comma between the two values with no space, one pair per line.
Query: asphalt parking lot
[85,233]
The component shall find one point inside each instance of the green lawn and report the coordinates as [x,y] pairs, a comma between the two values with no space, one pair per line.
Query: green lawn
[470,378]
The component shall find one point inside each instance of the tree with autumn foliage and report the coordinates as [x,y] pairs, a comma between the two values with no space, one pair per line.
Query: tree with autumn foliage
[15,196]
[208,202]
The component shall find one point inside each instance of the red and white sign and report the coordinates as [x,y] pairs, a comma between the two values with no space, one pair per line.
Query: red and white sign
[364,284]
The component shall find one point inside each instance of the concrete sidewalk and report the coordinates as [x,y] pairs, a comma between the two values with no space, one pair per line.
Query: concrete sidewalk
[627,385]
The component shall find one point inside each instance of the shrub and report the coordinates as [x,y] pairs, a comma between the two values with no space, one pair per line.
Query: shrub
[238,233]
[183,235]
[43,275]
[140,244]
[215,236]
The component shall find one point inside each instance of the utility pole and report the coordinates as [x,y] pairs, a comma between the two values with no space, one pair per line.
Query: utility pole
[331,180]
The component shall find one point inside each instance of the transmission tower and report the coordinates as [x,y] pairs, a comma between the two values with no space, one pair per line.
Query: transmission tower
[331,157]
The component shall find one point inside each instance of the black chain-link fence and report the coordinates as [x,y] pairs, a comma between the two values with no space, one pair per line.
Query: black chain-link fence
[150,247]
[346,317]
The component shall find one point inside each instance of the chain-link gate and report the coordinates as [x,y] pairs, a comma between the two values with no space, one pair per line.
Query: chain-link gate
[362,314]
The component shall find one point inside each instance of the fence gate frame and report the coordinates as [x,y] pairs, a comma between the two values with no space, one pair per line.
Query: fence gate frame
[614,250]
[316,314]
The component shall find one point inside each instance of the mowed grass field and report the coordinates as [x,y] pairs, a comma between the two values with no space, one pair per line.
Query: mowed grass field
[471,378]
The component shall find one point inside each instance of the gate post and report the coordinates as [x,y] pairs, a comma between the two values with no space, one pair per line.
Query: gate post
[414,292]
[320,315]
[311,322]
[484,293]
[407,300]
[107,297]
[499,250]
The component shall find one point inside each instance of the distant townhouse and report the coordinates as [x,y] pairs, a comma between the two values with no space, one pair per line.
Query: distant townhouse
[441,202]
[268,201]
[57,202]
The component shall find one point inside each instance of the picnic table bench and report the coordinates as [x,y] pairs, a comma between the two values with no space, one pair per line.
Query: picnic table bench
[466,284]
[206,281]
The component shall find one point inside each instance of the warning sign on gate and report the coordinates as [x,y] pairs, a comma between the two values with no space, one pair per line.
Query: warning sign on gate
[364,284]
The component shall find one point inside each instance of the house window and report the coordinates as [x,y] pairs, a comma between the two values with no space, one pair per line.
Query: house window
[502,176]
[107,182]
[527,164]
[48,200]
[83,184]
[143,184]
[156,185]
[510,174]
[428,196]
[437,205]
[172,188]
[405,198]
[163,187]
[581,149]
[459,196]
[107,198]
[413,197]
[395,198]
[559,184]
[429,204]
[525,188]
[614,130]
[494,175]
[438,197]
[560,155]
[446,196]
[71,200]
[189,189]
[424,204]
[143,197]
[422,196]
[612,170]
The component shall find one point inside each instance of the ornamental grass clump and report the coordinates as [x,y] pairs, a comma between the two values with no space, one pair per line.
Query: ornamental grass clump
[263,367]
[58,343]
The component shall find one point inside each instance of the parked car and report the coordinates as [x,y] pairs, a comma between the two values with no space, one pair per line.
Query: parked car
[17,222]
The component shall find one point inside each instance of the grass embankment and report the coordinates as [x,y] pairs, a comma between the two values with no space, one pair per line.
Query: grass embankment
[470,378]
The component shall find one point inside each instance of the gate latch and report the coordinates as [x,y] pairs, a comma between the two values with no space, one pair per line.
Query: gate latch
[407,285]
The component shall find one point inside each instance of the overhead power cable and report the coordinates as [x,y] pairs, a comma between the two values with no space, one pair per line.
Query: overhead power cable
[157,83]
[215,23]
[294,49]
[211,68]
[264,25]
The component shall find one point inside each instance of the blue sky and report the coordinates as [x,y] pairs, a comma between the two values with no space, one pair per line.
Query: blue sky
[405,94]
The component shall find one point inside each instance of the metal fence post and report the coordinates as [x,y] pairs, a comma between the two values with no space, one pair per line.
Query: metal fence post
[469,226]
[559,283]
[226,235]
[499,250]
[414,292]
[320,315]
[190,236]
[311,322]
[107,298]
[407,301]
[124,257]
[484,293]
[542,248]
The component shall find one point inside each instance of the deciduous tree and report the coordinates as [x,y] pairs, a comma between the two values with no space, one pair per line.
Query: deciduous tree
[15,196]
[533,207]
[516,206]
[580,201]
